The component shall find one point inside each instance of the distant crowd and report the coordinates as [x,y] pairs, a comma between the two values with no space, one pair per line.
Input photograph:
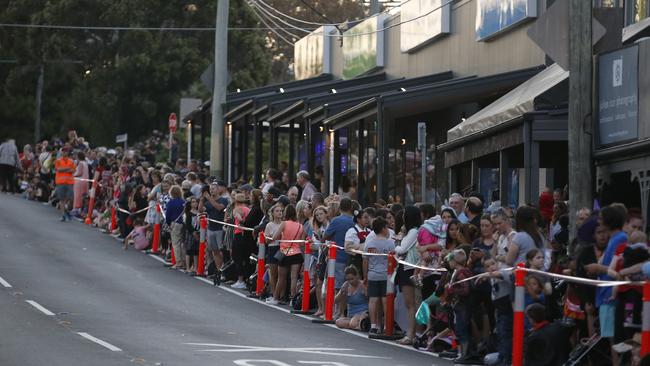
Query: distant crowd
[468,321]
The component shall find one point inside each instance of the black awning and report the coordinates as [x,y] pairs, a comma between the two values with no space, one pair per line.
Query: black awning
[239,111]
[233,98]
[344,97]
[441,95]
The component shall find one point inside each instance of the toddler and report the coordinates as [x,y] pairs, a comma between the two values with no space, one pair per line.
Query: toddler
[433,231]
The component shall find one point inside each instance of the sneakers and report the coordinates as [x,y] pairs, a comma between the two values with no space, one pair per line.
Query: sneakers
[238,285]
[271,301]
[373,331]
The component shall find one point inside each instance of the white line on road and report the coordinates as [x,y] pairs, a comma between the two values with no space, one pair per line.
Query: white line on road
[40,307]
[154,256]
[4,283]
[242,295]
[100,342]
[235,292]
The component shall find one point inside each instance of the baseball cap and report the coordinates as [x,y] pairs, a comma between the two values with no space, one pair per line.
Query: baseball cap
[246,187]
[219,183]
[283,200]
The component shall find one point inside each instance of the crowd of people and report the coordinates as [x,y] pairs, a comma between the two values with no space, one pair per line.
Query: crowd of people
[438,248]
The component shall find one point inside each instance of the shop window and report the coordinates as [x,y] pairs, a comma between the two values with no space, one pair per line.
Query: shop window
[488,183]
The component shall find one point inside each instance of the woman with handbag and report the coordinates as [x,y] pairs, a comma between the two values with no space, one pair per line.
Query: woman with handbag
[290,254]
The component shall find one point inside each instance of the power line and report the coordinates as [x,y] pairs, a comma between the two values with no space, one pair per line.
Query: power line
[213,29]
[260,14]
[109,28]
[263,10]
[332,23]
[264,22]
[448,2]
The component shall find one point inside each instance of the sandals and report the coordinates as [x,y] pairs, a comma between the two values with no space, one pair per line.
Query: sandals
[406,341]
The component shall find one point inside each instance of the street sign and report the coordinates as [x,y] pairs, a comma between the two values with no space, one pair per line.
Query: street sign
[172,122]
[121,138]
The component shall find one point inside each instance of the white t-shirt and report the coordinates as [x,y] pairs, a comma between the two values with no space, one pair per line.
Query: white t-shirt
[351,236]
[372,235]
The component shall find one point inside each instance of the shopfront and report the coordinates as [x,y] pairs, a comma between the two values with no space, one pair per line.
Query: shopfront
[514,147]
[622,140]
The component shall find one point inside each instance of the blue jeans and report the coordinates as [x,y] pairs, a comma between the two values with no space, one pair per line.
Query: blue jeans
[461,322]
[504,321]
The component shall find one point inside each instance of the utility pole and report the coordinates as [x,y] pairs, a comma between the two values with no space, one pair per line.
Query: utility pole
[580,109]
[219,91]
[39,100]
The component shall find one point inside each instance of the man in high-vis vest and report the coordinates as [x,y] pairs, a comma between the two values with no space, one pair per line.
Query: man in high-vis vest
[64,167]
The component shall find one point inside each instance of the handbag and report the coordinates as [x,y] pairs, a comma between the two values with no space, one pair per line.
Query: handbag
[279,255]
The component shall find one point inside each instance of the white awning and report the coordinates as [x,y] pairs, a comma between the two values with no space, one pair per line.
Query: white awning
[512,105]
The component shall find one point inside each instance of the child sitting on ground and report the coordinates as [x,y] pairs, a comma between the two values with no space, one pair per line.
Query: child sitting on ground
[137,236]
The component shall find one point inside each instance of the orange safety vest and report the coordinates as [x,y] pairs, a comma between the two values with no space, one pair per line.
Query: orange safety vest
[64,177]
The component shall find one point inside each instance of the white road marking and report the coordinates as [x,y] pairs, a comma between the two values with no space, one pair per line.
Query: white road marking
[242,295]
[154,256]
[228,348]
[100,342]
[254,362]
[40,307]
[4,283]
[333,326]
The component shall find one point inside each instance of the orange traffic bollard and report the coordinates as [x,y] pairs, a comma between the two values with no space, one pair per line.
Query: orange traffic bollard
[518,324]
[91,203]
[306,282]
[113,220]
[389,312]
[645,328]
[200,266]
[261,265]
[156,232]
[331,279]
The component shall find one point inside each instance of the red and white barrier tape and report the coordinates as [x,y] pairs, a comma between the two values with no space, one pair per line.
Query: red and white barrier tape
[584,281]
[232,225]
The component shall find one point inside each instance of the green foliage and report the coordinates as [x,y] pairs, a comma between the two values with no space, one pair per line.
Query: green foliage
[105,82]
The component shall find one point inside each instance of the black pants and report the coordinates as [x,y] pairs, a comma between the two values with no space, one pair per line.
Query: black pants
[121,222]
[240,255]
[8,178]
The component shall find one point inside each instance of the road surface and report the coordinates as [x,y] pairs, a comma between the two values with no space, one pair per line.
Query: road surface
[71,296]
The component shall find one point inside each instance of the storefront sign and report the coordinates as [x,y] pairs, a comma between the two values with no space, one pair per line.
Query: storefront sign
[418,31]
[618,91]
[312,54]
[363,47]
[495,16]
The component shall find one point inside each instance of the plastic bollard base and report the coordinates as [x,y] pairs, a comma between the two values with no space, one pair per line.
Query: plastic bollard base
[322,321]
[253,296]
[386,337]
[308,312]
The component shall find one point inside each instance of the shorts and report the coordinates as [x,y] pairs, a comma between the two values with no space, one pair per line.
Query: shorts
[404,277]
[270,254]
[289,261]
[606,318]
[64,192]
[215,240]
[377,288]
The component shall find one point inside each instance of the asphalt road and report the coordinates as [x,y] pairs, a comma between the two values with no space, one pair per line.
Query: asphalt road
[77,298]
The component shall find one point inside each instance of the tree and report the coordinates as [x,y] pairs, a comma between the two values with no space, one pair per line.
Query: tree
[105,82]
